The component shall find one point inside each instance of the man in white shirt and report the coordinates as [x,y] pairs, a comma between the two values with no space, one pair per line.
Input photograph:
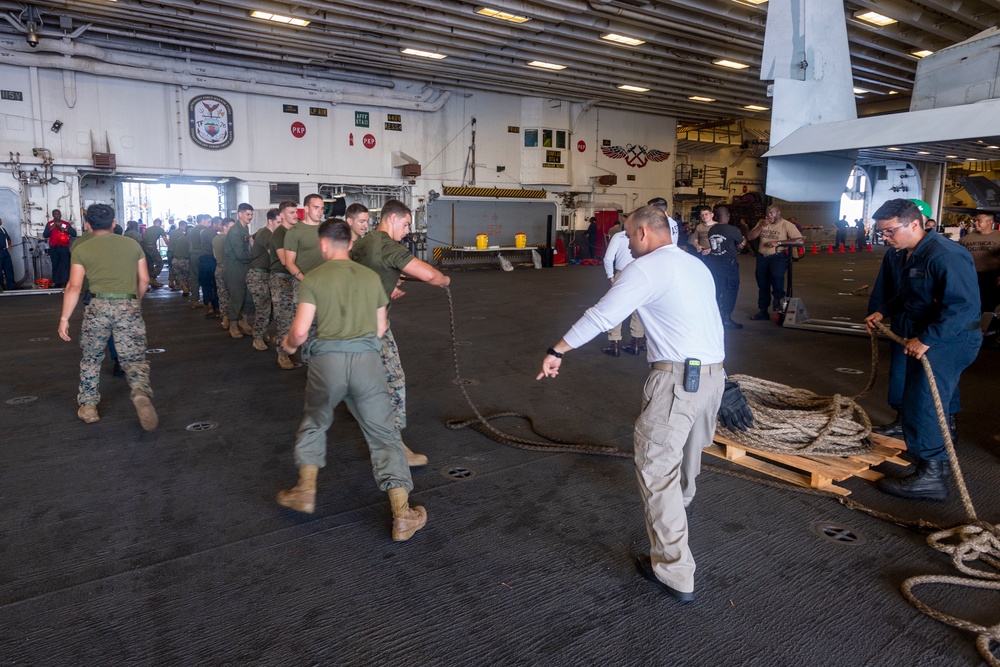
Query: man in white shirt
[616,258]
[675,297]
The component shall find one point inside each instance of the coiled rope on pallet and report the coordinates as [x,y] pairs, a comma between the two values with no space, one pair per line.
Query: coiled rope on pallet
[974,541]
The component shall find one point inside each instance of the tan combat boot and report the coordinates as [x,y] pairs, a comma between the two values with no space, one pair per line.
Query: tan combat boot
[406,520]
[234,331]
[285,363]
[259,344]
[225,322]
[88,413]
[147,413]
[197,304]
[209,311]
[413,459]
[244,326]
[302,496]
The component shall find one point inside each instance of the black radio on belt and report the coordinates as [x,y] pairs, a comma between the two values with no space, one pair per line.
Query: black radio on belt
[692,374]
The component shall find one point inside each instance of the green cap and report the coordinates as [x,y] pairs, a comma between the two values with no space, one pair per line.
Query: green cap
[924,207]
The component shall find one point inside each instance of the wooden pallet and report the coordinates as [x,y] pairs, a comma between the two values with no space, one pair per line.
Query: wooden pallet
[815,472]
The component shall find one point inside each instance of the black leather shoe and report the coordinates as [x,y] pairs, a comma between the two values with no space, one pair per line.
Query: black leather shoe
[612,349]
[728,323]
[929,482]
[760,315]
[636,347]
[118,370]
[645,568]
[893,429]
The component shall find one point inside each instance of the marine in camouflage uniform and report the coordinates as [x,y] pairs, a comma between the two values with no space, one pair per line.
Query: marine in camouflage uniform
[381,251]
[282,283]
[259,279]
[235,272]
[219,252]
[180,258]
[118,281]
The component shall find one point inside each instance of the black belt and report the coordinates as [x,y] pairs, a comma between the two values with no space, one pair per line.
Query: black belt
[110,295]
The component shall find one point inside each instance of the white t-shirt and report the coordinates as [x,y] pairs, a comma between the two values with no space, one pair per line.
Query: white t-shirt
[675,295]
[617,256]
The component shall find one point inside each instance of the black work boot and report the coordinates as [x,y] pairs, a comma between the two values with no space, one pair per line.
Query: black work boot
[613,349]
[893,429]
[637,346]
[728,323]
[760,315]
[929,482]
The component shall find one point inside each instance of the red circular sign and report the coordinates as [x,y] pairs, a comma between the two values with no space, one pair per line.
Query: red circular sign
[298,130]
[369,141]
[581,145]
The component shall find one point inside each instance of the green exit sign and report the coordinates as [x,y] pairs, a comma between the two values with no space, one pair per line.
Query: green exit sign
[361,119]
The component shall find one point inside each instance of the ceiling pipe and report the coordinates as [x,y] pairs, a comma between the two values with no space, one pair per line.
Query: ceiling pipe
[78,49]
[382,98]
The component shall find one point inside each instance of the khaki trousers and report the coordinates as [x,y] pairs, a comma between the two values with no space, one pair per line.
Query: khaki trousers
[675,425]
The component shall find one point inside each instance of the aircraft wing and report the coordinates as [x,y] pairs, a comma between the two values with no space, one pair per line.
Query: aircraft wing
[966,133]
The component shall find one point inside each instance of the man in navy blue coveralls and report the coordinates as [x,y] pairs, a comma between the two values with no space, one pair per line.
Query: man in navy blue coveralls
[927,286]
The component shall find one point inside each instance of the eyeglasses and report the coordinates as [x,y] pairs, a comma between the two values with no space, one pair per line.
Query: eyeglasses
[891,231]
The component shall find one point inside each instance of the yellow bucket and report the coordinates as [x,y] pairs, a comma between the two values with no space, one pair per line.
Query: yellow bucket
[520,240]
[482,241]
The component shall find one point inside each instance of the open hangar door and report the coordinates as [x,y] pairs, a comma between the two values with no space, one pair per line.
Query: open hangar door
[457,222]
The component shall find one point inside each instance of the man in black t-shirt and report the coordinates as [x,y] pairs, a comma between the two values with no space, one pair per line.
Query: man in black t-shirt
[725,242]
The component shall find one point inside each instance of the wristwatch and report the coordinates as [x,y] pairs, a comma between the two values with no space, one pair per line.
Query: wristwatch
[557,355]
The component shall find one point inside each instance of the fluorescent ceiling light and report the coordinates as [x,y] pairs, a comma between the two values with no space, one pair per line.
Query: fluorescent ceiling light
[752,3]
[923,153]
[874,18]
[755,107]
[894,92]
[545,65]
[423,54]
[633,89]
[278,18]
[893,148]
[731,64]
[951,157]
[501,15]
[622,39]
[699,98]
[922,54]
[993,146]
[860,91]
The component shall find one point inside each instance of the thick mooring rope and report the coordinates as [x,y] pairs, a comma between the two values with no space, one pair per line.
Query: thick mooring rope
[827,428]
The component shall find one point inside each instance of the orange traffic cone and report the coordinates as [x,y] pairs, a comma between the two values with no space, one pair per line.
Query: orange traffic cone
[854,247]
[559,256]
[870,248]
[829,249]
[840,248]
[814,250]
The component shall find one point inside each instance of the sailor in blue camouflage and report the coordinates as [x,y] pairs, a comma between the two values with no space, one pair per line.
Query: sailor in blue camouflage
[121,318]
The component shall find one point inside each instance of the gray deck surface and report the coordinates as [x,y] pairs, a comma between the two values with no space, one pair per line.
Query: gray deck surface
[120,547]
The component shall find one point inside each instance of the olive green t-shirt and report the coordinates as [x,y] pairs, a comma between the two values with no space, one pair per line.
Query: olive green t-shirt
[219,250]
[381,254]
[303,240]
[207,235]
[347,296]
[111,263]
[135,235]
[76,242]
[277,241]
[152,235]
[179,245]
[194,241]
[259,257]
